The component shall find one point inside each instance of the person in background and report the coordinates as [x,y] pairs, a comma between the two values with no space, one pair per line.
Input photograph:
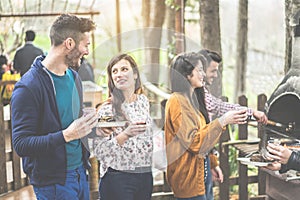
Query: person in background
[216,107]
[26,54]
[125,153]
[285,159]
[3,64]
[86,71]
[6,74]
[188,137]
[48,128]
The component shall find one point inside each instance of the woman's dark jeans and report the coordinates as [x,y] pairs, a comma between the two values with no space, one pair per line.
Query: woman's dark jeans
[119,185]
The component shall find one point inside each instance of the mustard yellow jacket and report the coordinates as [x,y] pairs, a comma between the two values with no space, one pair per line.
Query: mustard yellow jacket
[188,140]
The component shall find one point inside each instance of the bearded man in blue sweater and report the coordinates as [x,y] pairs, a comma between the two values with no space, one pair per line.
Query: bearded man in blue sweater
[48,129]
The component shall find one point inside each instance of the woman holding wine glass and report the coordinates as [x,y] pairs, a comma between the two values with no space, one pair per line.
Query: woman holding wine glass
[125,152]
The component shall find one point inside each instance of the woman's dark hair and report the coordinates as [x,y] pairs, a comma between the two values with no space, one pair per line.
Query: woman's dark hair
[116,94]
[182,66]
[200,93]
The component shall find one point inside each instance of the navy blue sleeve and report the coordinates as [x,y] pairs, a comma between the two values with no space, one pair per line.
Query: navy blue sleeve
[29,119]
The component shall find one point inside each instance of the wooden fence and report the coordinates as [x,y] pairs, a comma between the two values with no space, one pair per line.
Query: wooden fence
[244,146]
[10,164]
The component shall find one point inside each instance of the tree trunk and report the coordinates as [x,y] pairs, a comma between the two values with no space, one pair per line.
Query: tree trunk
[154,37]
[118,26]
[146,8]
[156,33]
[242,46]
[210,36]
[179,26]
[170,20]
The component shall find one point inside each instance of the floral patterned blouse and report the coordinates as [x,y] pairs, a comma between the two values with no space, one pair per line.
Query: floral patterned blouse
[136,151]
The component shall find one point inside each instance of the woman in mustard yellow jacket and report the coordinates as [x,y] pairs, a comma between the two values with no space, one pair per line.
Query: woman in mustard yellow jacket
[188,137]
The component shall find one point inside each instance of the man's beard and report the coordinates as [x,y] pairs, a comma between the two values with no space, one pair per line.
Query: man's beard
[72,59]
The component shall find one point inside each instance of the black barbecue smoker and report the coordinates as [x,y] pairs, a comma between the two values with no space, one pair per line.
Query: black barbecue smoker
[283,107]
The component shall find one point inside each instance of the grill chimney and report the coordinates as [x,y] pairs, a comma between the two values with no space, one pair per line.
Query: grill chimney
[296,44]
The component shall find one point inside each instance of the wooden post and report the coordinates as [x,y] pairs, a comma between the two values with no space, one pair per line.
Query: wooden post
[243,130]
[94,177]
[243,169]
[261,101]
[3,173]
[224,164]
[16,161]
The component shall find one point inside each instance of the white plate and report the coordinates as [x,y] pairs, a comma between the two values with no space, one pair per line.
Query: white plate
[111,124]
[247,161]
[253,141]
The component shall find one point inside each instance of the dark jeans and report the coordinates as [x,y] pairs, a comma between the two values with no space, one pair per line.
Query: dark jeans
[119,185]
[193,198]
[75,188]
[208,181]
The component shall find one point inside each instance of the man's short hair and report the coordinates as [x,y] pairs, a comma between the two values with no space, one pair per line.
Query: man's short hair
[29,35]
[67,25]
[211,55]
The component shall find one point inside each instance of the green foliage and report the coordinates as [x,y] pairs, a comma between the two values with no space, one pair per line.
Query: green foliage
[43,42]
[171,48]
[188,3]
[233,161]
[193,5]
[234,189]
[172,4]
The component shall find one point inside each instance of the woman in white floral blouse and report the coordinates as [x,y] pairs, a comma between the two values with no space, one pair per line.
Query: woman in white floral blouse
[125,153]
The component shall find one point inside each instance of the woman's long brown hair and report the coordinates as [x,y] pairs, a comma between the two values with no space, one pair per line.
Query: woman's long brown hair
[116,95]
